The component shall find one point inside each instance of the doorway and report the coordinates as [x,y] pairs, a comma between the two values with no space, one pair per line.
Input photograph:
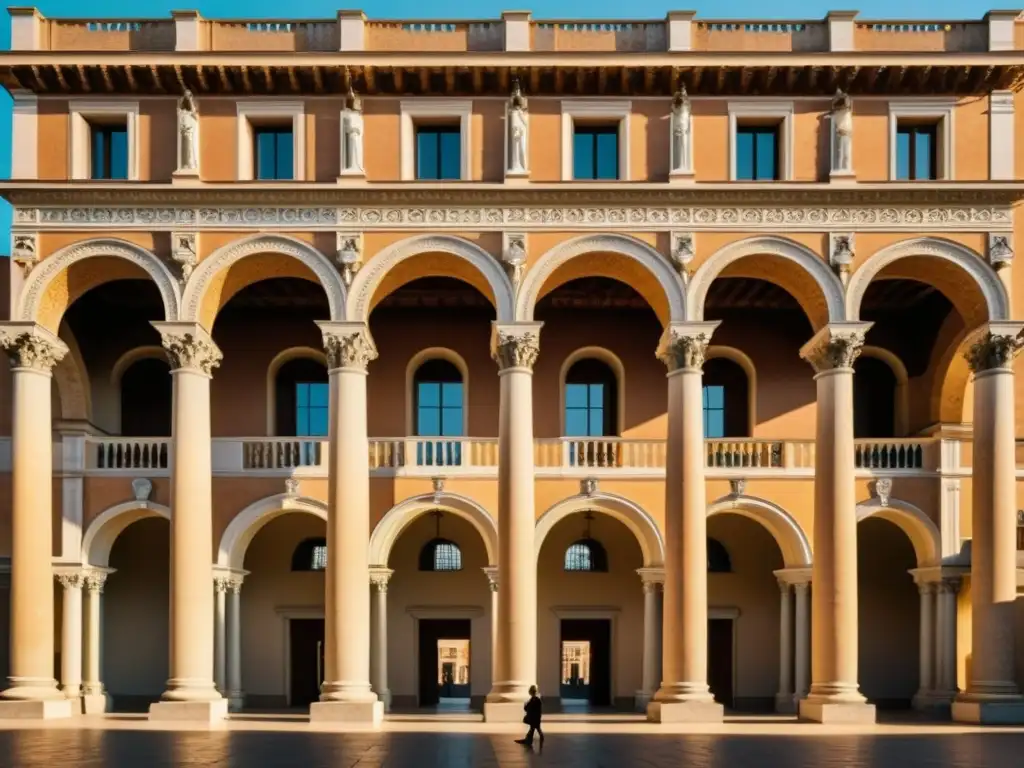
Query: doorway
[306,640]
[720,637]
[444,663]
[586,674]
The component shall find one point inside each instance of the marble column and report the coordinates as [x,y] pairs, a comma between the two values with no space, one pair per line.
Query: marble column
[835,695]
[651,581]
[346,694]
[94,699]
[32,690]
[946,687]
[514,348]
[234,642]
[684,695]
[220,649]
[992,695]
[71,635]
[379,578]
[802,641]
[924,697]
[191,693]
[784,699]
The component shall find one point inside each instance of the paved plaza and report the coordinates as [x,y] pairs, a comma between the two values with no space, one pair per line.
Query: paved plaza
[611,743]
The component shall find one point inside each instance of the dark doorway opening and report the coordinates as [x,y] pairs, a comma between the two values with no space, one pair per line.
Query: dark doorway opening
[720,660]
[586,653]
[444,662]
[307,660]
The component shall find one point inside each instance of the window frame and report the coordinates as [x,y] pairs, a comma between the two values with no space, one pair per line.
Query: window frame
[80,147]
[614,111]
[276,130]
[438,129]
[411,110]
[764,110]
[311,408]
[755,129]
[251,114]
[707,409]
[939,110]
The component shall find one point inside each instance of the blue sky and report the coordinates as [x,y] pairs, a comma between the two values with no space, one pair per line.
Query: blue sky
[448,9]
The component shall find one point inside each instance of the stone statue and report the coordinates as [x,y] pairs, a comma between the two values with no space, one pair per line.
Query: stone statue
[188,132]
[352,130]
[517,131]
[682,132]
[842,131]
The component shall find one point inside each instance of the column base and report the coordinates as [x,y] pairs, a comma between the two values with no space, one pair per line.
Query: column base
[95,703]
[385,699]
[504,711]
[1005,712]
[235,701]
[641,700]
[837,713]
[362,712]
[786,703]
[685,712]
[36,709]
[210,711]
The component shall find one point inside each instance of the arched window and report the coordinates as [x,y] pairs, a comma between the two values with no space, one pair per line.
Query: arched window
[586,555]
[718,557]
[302,400]
[310,555]
[440,555]
[591,400]
[146,399]
[874,398]
[726,399]
[438,400]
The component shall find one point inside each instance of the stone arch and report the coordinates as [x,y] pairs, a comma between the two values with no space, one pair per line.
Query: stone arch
[103,531]
[373,273]
[417,360]
[34,306]
[792,541]
[743,361]
[920,529]
[247,523]
[398,518]
[814,285]
[968,262]
[132,356]
[610,359]
[292,353]
[205,291]
[627,512]
[672,303]
[72,380]
[899,370]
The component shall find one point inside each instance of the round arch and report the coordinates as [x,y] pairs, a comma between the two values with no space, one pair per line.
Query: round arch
[72,380]
[370,276]
[899,370]
[743,361]
[421,357]
[103,531]
[919,528]
[32,305]
[969,262]
[132,356]
[638,251]
[292,353]
[792,541]
[610,359]
[627,512]
[247,523]
[398,518]
[212,271]
[827,307]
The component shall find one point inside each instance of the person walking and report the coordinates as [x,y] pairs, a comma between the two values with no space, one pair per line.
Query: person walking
[533,708]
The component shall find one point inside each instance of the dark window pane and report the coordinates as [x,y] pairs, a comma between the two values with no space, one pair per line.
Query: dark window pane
[756,153]
[607,155]
[576,422]
[285,161]
[274,153]
[118,153]
[596,422]
[319,395]
[714,424]
[451,154]
[302,395]
[714,396]
[596,152]
[596,395]
[766,151]
[426,155]
[744,155]
[903,154]
[429,422]
[451,422]
[99,154]
[429,394]
[438,152]
[583,160]
[923,152]
[318,422]
[302,422]
[451,394]
[576,395]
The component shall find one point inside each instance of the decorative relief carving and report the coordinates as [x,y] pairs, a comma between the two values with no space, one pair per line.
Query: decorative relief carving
[185,252]
[515,349]
[883,490]
[588,486]
[32,347]
[25,250]
[351,348]
[142,488]
[350,254]
[992,351]
[1000,249]
[291,487]
[438,485]
[737,487]
[841,250]
[513,256]
[681,351]
[191,351]
[379,577]
[681,252]
[94,581]
[71,580]
[834,348]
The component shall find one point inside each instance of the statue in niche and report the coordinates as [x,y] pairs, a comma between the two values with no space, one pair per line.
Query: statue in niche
[517,130]
[842,129]
[188,131]
[682,132]
[352,129]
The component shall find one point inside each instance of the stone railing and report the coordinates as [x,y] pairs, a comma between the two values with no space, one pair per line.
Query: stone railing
[583,36]
[104,35]
[127,453]
[434,36]
[760,36]
[951,36]
[892,454]
[269,36]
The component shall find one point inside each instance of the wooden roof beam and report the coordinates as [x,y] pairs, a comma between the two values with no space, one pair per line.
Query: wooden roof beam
[83,78]
[37,76]
[107,82]
[534,79]
[318,80]
[222,77]
[129,76]
[201,77]
[246,81]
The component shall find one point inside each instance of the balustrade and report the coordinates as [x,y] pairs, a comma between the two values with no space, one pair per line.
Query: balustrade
[892,454]
[127,452]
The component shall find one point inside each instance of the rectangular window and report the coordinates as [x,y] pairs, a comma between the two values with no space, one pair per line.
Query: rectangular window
[595,152]
[757,152]
[714,411]
[916,157]
[584,410]
[438,152]
[311,409]
[109,151]
[439,409]
[273,152]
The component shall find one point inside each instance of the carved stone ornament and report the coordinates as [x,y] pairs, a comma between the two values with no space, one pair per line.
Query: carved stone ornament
[992,351]
[190,350]
[349,348]
[24,250]
[379,577]
[737,487]
[32,347]
[71,579]
[513,255]
[185,252]
[142,488]
[841,250]
[681,351]
[588,486]
[681,251]
[438,485]
[882,490]
[94,580]
[350,254]
[515,349]
[1000,249]
[831,349]
[291,487]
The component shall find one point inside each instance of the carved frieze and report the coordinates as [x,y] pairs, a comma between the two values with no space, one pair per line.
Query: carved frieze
[30,346]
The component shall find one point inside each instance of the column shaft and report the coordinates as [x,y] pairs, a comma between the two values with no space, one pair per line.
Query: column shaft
[379,652]
[234,643]
[71,635]
[802,644]
[946,664]
[220,635]
[649,679]
[926,651]
[784,699]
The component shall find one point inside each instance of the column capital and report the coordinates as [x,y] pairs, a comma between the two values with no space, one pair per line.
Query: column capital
[31,346]
[836,346]
[348,345]
[95,579]
[651,577]
[948,585]
[515,345]
[189,347]
[683,346]
[794,577]
[994,346]
[491,572]
[379,577]
[228,579]
[71,579]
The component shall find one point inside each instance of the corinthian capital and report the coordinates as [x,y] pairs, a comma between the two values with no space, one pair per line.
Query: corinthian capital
[515,345]
[684,346]
[835,346]
[31,346]
[348,345]
[189,347]
[994,347]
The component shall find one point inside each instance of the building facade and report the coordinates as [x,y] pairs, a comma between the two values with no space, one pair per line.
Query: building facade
[667,365]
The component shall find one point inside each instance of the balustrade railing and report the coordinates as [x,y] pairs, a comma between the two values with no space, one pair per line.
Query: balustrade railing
[127,453]
[429,454]
[893,454]
[283,453]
